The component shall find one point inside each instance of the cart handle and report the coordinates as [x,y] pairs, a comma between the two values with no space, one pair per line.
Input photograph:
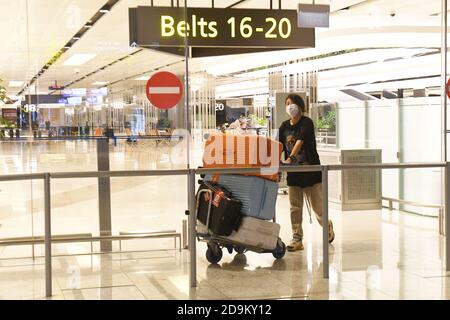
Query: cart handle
[209,205]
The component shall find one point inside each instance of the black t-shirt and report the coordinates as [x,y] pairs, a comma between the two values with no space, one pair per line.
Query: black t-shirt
[288,136]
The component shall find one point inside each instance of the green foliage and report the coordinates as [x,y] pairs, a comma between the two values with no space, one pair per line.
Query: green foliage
[3,96]
[163,123]
[259,122]
[328,121]
[5,123]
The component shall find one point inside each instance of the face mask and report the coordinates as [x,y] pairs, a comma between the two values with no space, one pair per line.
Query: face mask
[292,110]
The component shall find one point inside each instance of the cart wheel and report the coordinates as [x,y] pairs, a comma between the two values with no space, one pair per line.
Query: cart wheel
[239,249]
[280,250]
[213,255]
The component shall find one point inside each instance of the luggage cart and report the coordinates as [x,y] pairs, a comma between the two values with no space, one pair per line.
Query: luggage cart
[216,243]
[282,184]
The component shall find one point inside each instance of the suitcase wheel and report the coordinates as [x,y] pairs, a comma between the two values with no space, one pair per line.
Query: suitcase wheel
[239,249]
[230,249]
[214,253]
[280,250]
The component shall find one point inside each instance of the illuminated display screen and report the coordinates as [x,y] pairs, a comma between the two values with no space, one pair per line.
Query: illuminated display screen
[74,100]
[99,92]
[95,99]
[207,27]
[78,92]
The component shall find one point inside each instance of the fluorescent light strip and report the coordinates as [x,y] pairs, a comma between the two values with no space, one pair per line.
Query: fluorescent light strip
[79,59]
[15,84]
[143,78]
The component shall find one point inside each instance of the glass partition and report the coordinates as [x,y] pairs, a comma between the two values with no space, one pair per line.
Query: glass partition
[73,99]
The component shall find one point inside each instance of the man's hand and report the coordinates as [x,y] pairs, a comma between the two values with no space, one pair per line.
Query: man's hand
[287,161]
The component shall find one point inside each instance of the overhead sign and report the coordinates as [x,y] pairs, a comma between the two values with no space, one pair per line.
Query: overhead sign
[78,92]
[313,15]
[221,113]
[255,29]
[74,100]
[164,90]
[99,92]
[94,99]
[56,87]
[42,99]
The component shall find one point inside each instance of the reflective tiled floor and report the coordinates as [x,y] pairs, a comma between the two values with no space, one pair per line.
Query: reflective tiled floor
[377,254]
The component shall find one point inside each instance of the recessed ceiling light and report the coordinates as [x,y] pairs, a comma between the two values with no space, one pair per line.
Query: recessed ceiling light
[16,84]
[104,10]
[78,59]
[76,38]
[88,25]
[143,78]
[100,83]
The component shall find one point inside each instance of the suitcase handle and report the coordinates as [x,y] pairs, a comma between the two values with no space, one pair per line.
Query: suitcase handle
[263,200]
[215,188]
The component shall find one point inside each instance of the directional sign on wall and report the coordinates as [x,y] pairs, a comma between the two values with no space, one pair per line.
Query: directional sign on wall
[164,90]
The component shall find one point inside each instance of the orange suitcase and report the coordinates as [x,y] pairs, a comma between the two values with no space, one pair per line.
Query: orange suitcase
[243,151]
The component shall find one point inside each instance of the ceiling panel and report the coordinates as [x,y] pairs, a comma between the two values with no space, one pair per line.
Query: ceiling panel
[51,23]
[109,40]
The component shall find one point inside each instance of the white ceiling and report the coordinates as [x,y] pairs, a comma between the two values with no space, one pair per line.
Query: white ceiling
[52,23]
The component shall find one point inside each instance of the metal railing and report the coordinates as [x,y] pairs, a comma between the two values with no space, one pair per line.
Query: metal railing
[421,205]
[191,174]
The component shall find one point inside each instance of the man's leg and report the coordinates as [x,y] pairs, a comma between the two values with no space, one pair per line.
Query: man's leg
[296,203]
[314,195]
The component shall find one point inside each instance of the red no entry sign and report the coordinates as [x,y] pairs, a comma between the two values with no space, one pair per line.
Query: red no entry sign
[164,90]
[447,88]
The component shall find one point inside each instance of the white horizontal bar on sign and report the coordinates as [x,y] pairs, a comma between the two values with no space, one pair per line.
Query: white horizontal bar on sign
[164,90]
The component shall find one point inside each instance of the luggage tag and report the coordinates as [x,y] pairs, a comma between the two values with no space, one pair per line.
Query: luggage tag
[217,198]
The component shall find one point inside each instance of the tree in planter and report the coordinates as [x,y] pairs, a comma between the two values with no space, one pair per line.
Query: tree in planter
[328,121]
[3,100]
[163,124]
[3,96]
[5,123]
[256,121]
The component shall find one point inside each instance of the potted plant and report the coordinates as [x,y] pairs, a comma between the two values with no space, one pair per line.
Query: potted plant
[3,96]
[328,121]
